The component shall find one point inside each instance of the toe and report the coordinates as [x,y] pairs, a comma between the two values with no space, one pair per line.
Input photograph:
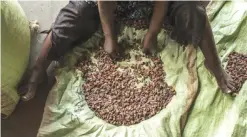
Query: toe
[25,98]
[30,93]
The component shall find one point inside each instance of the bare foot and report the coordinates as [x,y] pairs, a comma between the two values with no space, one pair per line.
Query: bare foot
[224,81]
[35,79]
[150,41]
[31,90]
[110,46]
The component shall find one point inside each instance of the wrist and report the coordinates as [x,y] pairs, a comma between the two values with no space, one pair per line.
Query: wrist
[110,36]
[152,33]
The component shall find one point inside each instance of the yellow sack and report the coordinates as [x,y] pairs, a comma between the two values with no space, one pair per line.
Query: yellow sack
[15,41]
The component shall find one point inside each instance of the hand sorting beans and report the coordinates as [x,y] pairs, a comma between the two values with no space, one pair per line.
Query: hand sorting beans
[237,68]
[125,95]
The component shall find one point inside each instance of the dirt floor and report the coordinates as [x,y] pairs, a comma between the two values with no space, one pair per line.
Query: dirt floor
[25,120]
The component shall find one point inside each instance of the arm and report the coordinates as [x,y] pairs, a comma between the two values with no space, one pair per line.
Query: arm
[106,11]
[160,10]
[212,60]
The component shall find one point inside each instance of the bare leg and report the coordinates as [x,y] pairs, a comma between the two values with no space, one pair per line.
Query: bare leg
[150,40]
[106,11]
[212,61]
[39,69]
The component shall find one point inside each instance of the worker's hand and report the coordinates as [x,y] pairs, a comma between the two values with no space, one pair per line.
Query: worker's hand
[150,40]
[110,46]
[149,43]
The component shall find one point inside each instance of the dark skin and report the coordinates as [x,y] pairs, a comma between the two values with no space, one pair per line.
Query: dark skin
[207,44]
[212,61]
[150,40]
[39,70]
[106,10]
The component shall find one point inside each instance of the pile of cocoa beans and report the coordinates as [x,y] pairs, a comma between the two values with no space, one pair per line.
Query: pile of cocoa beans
[125,95]
[237,69]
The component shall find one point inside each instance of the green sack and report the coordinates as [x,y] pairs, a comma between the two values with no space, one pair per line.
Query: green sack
[15,52]
[199,108]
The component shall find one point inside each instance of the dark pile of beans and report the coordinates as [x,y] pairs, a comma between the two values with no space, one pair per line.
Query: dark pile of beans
[142,24]
[136,23]
[136,14]
[237,68]
[125,95]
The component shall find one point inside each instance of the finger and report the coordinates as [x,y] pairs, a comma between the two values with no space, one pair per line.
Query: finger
[225,89]
[146,51]
[231,86]
[234,94]
[113,55]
